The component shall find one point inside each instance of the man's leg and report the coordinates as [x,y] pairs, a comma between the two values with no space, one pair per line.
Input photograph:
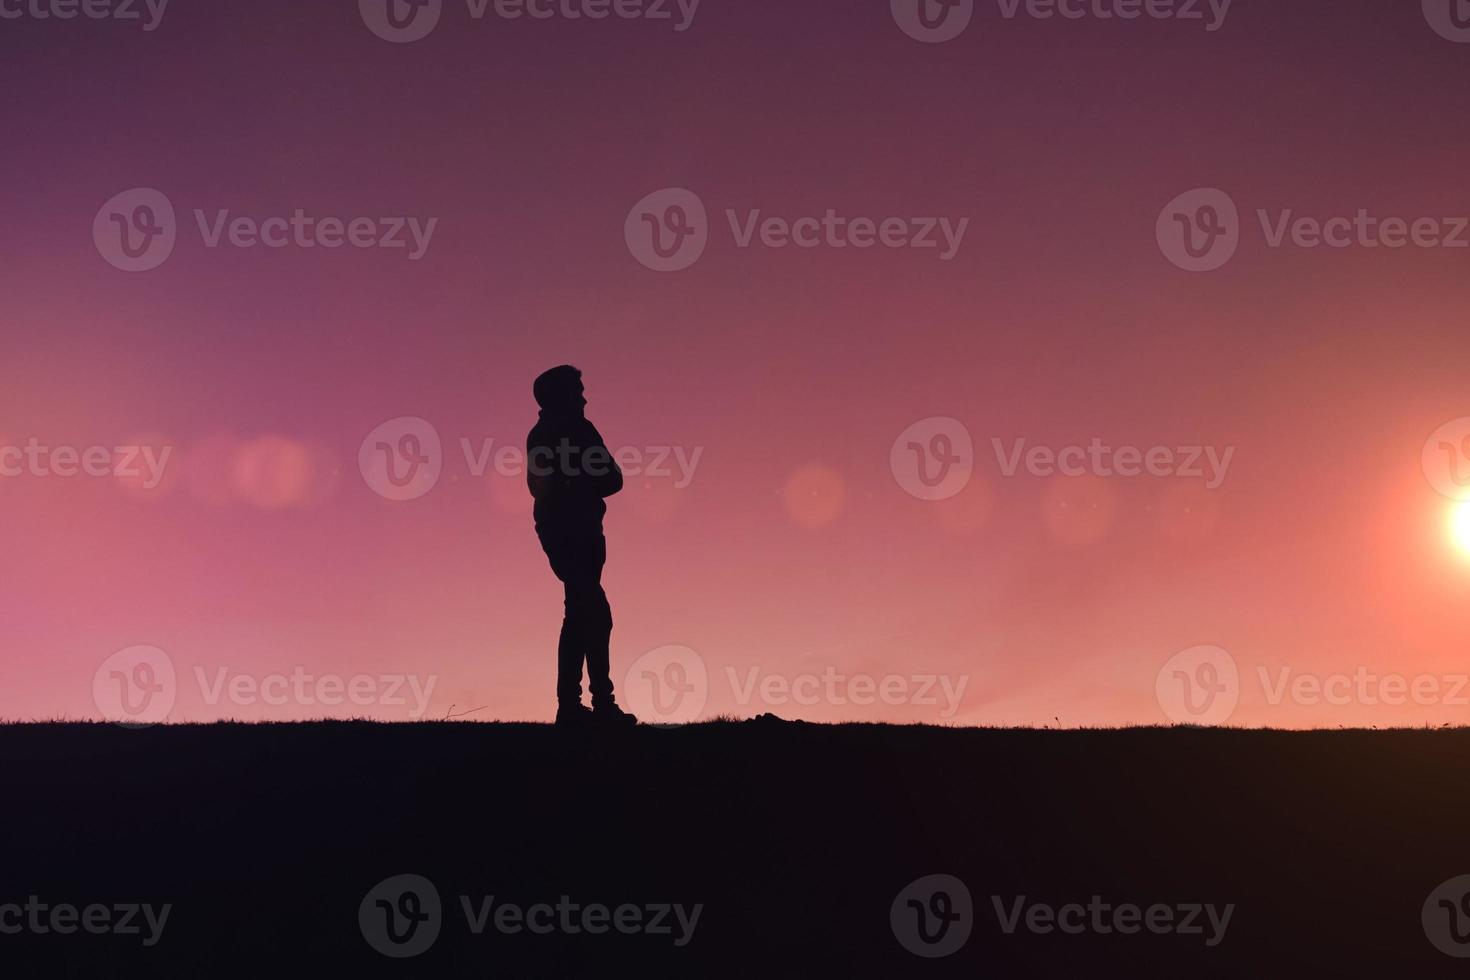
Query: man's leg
[571,647]
[588,609]
[569,654]
[595,614]
[591,614]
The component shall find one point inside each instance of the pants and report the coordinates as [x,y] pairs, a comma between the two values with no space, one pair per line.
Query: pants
[586,627]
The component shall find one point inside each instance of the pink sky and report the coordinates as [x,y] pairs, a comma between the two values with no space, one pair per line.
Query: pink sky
[793,551]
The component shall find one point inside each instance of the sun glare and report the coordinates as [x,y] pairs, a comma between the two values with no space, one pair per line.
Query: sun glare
[1460,526]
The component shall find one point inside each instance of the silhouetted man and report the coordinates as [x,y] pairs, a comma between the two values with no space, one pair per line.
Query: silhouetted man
[570,471]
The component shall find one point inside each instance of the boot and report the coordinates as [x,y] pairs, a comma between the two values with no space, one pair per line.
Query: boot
[608,713]
[573,715]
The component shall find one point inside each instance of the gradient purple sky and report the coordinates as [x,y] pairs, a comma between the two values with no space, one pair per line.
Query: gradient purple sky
[794,549]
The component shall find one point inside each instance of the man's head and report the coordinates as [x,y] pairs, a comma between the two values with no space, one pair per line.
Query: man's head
[560,390]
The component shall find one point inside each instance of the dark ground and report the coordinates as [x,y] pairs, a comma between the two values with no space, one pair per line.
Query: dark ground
[795,838]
